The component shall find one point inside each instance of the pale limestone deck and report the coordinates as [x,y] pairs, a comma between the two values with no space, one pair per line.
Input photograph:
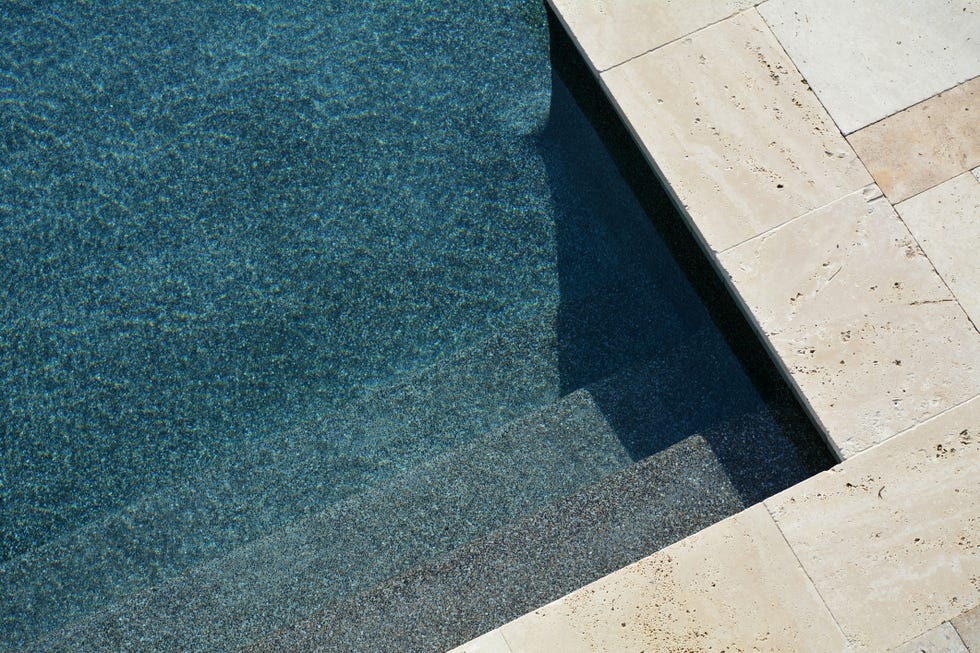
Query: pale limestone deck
[868,300]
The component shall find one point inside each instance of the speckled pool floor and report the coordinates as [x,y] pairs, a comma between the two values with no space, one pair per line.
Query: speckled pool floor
[228,233]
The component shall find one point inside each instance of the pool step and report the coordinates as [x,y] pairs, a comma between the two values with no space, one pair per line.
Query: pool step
[375,437]
[509,472]
[528,563]
[359,542]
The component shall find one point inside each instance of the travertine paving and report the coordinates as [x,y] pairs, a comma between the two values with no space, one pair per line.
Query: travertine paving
[924,145]
[868,331]
[733,130]
[864,557]
[891,538]
[867,60]
[967,626]
[608,31]
[869,301]
[739,576]
[941,639]
[945,221]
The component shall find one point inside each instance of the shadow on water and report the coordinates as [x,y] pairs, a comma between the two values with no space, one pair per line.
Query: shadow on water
[640,300]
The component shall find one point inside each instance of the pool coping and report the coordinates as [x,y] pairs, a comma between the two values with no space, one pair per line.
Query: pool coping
[828,239]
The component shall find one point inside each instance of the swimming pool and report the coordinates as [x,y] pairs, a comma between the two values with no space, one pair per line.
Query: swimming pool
[259,257]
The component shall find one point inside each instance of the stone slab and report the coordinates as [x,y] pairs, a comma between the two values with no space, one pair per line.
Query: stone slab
[867,60]
[941,639]
[867,330]
[491,642]
[968,628]
[737,136]
[945,221]
[733,586]
[923,145]
[611,31]
[891,538]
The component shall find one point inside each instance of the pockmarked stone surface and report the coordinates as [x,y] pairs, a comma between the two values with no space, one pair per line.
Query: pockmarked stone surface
[923,145]
[733,586]
[891,537]
[612,31]
[865,327]
[734,130]
[867,60]
[945,221]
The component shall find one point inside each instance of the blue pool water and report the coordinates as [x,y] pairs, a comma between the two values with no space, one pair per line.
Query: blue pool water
[223,222]
[218,218]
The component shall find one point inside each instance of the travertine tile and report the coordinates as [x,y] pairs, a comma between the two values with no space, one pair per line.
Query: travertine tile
[739,139]
[734,586]
[891,538]
[611,31]
[968,628]
[924,145]
[945,220]
[860,319]
[492,642]
[941,639]
[867,60]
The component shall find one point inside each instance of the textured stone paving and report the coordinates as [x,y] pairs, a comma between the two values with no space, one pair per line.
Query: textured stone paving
[826,155]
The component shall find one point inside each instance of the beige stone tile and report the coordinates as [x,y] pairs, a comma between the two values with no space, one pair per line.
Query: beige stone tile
[968,628]
[492,642]
[924,145]
[867,60]
[891,538]
[734,586]
[945,220]
[738,137]
[859,318]
[611,31]
[941,639]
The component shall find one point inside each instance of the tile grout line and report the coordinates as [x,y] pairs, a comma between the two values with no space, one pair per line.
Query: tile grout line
[682,208]
[894,205]
[675,40]
[933,265]
[862,127]
[914,426]
[510,649]
[788,221]
[959,635]
[802,76]
[839,130]
[968,170]
[912,106]
[808,576]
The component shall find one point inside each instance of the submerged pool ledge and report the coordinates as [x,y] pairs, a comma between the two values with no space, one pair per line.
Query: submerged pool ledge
[827,159]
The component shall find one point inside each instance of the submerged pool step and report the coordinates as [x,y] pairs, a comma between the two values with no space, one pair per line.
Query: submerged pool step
[357,543]
[447,501]
[413,517]
[386,430]
[528,563]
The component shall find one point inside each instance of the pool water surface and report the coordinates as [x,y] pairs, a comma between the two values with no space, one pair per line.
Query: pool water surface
[224,224]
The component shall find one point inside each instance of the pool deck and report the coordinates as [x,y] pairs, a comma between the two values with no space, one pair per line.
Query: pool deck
[826,153]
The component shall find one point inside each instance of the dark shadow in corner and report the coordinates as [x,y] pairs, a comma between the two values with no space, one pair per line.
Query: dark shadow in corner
[642,306]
